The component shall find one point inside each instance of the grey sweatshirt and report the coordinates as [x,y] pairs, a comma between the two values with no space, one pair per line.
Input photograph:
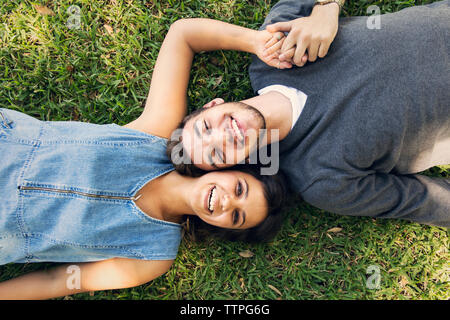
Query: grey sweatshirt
[377,113]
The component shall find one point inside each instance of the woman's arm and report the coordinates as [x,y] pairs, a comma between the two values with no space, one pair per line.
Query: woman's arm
[102,275]
[166,103]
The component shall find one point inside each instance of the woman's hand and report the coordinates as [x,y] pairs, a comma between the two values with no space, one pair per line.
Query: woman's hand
[267,47]
[314,34]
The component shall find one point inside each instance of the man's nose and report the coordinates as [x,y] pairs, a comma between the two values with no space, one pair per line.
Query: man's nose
[214,138]
[209,137]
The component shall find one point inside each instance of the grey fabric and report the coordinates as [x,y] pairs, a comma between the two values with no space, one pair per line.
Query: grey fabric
[378,112]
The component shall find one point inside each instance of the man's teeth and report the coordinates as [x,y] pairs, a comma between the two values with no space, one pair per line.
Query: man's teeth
[236,130]
[212,199]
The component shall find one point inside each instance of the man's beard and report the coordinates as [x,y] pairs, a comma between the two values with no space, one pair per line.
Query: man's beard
[255,114]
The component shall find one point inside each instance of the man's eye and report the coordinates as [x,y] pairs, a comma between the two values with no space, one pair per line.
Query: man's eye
[239,189]
[206,125]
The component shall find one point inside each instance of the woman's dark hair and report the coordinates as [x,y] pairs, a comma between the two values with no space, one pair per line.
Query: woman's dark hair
[275,193]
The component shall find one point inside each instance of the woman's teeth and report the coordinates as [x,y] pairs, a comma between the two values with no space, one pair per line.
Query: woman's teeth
[236,130]
[212,199]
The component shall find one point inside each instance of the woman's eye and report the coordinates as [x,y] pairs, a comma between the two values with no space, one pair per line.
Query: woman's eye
[239,189]
[235,216]
[206,125]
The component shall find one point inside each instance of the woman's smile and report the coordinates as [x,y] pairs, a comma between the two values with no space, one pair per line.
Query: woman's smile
[212,199]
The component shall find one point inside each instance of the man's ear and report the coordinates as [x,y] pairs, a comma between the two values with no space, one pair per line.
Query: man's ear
[214,102]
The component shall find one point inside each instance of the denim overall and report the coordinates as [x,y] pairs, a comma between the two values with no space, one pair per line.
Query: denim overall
[67,192]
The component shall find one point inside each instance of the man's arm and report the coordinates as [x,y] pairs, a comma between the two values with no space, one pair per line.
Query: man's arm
[288,10]
[416,198]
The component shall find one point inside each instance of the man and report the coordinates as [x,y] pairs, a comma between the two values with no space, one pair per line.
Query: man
[355,127]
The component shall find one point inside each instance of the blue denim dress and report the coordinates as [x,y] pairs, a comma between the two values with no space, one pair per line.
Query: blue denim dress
[67,192]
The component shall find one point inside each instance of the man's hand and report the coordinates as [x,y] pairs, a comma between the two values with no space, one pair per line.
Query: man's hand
[267,47]
[313,34]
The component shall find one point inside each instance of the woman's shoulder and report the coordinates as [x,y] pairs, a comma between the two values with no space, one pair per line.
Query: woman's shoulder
[138,129]
[142,127]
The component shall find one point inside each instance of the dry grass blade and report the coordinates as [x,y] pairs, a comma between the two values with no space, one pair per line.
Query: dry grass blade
[108,29]
[44,10]
[274,289]
[246,254]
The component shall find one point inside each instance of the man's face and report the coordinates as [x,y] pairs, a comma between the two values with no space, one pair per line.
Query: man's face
[223,135]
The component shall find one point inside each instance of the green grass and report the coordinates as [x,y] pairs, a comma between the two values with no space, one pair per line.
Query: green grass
[55,73]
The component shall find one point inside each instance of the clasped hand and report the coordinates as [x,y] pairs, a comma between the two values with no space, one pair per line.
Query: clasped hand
[307,39]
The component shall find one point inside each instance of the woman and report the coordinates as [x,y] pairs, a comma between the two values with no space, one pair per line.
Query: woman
[106,197]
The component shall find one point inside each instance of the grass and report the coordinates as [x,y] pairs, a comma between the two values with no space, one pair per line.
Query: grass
[101,73]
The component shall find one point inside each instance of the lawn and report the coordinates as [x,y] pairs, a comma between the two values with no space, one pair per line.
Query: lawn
[100,73]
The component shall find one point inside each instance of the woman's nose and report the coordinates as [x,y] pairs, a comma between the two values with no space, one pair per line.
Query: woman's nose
[226,203]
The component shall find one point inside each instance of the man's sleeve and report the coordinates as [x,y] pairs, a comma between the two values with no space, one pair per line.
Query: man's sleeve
[286,10]
[416,198]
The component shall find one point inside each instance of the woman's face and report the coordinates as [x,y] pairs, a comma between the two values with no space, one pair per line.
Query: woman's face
[229,199]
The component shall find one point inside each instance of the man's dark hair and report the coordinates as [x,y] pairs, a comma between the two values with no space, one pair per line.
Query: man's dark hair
[275,193]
